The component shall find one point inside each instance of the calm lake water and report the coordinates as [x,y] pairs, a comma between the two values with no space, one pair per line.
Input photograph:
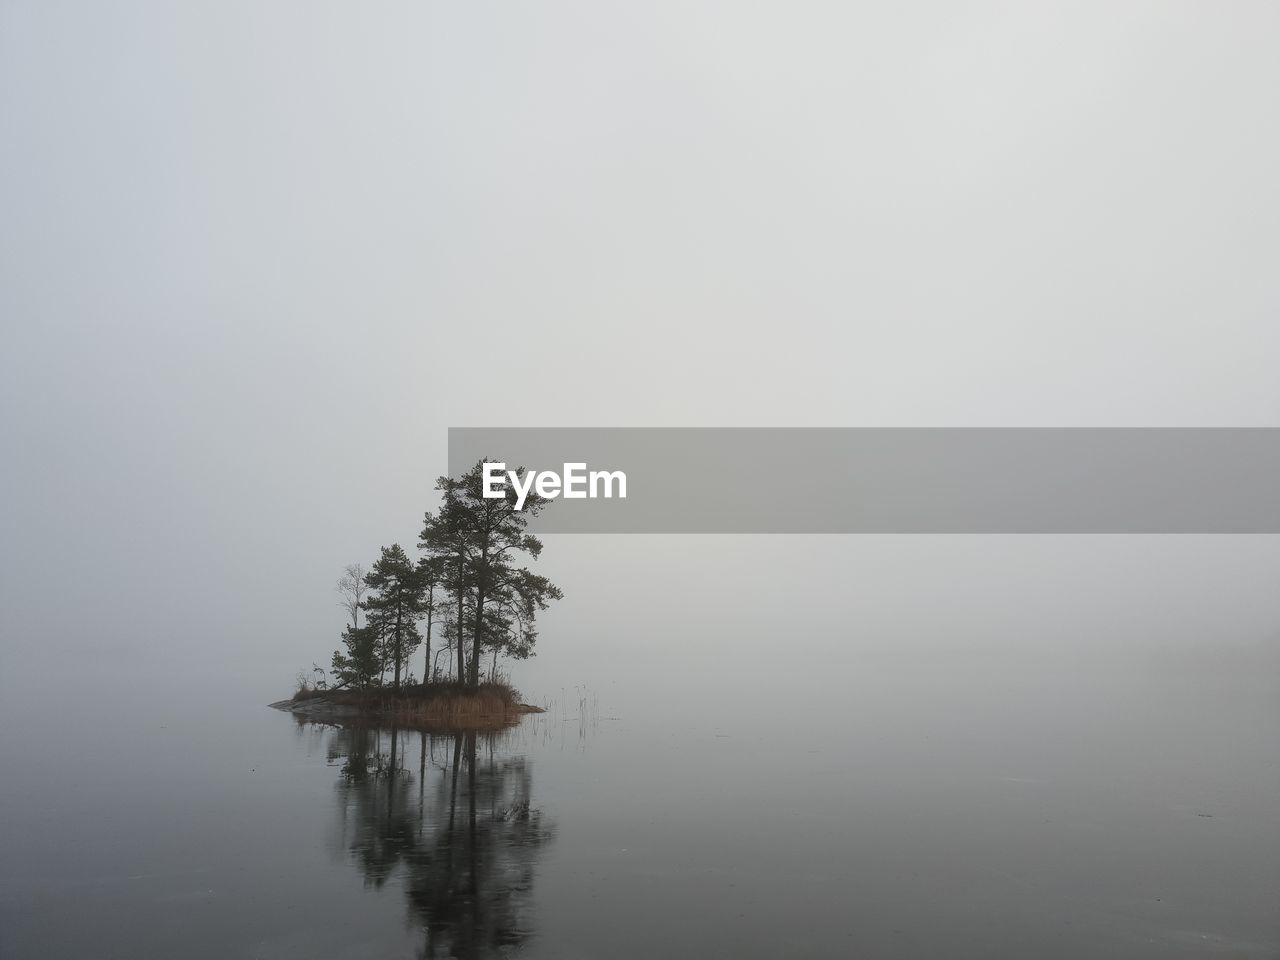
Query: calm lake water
[1043,813]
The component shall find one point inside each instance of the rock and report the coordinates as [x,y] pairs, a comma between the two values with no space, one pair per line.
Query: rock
[316,708]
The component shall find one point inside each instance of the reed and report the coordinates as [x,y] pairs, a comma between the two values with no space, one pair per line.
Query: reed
[492,706]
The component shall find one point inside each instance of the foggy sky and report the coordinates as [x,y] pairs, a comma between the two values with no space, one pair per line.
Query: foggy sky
[255,259]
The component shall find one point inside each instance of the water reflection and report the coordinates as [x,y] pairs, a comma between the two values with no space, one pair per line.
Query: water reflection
[450,819]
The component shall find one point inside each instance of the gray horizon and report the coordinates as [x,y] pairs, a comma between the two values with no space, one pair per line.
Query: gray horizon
[258,260]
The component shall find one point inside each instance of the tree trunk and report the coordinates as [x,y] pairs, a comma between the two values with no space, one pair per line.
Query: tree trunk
[458,632]
[398,650]
[483,572]
[426,663]
[475,646]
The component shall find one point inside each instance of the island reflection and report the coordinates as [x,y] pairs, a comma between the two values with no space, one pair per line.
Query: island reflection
[449,818]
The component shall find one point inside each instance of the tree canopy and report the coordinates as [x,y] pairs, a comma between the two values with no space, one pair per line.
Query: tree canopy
[472,582]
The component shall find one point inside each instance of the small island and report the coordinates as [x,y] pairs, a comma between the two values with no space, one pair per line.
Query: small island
[471,587]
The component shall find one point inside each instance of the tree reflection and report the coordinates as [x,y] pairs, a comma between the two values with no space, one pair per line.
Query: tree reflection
[460,834]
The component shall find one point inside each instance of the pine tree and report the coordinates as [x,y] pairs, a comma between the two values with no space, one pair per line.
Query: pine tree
[477,540]
[432,571]
[360,665]
[395,607]
[497,538]
[445,538]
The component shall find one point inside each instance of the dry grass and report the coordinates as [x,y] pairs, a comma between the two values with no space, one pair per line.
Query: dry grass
[492,705]
[436,706]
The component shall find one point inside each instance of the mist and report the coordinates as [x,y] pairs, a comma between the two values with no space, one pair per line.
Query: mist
[256,260]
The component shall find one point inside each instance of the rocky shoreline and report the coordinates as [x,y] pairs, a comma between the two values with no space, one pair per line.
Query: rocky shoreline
[321,710]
